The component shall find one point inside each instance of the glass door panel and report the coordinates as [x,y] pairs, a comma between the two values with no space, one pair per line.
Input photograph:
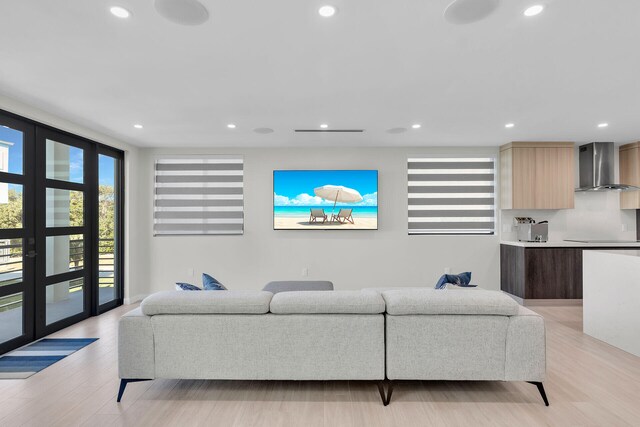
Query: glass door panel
[11,149]
[11,317]
[64,299]
[10,262]
[66,254]
[65,162]
[65,208]
[11,206]
[16,234]
[108,239]
[64,273]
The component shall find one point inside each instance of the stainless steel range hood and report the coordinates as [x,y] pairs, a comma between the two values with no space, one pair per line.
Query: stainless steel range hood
[597,168]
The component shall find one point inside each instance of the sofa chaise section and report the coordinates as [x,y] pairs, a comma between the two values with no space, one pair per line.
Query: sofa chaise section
[251,335]
[479,335]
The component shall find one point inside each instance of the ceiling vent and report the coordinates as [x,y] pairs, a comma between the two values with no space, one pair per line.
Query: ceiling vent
[329,130]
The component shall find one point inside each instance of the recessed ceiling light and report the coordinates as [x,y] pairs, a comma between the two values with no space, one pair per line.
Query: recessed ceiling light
[534,10]
[120,12]
[324,126]
[231,126]
[603,125]
[416,126]
[509,125]
[137,126]
[327,11]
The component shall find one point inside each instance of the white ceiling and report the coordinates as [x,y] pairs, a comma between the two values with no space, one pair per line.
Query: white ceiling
[375,65]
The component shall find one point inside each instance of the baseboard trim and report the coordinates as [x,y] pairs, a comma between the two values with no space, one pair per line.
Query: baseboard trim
[552,302]
[545,302]
[134,299]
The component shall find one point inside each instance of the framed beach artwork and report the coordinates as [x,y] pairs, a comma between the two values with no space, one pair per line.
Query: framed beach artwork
[325,200]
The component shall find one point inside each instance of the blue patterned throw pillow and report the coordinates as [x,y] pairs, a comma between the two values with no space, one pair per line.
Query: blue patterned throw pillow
[186,287]
[211,284]
[462,279]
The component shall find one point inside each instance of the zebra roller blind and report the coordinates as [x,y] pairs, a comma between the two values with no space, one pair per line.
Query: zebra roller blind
[202,195]
[451,195]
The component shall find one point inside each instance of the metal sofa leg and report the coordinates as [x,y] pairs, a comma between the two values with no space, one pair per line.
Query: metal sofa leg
[389,393]
[541,390]
[123,385]
[386,397]
[383,395]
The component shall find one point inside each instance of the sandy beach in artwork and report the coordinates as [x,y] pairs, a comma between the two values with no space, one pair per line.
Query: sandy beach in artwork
[302,222]
[302,199]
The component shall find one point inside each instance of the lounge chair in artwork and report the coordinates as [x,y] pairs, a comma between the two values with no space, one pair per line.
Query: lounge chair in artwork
[343,216]
[317,214]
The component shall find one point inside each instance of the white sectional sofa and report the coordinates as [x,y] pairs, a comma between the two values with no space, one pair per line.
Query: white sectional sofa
[456,335]
[332,335]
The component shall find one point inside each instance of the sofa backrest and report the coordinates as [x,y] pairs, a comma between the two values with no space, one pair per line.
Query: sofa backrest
[394,302]
[207,302]
[436,302]
[327,302]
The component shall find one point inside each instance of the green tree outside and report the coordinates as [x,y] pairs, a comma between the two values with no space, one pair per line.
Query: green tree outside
[11,217]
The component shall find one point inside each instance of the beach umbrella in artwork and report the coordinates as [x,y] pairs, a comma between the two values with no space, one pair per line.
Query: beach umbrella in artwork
[338,193]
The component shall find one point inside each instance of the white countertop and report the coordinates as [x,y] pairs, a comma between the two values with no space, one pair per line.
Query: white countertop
[624,252]
[564,244]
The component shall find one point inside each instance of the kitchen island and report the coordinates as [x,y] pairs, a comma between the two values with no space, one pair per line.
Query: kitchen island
[611,297]
[548,272]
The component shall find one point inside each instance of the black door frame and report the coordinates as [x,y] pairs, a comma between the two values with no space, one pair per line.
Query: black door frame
[34,226]
[118,229]
[42,231]
[27,233]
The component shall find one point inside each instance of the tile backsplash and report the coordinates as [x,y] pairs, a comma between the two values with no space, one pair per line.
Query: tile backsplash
[597,215]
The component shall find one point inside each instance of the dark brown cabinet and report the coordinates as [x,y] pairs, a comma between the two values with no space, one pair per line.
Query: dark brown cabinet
[541,273]
[544,272]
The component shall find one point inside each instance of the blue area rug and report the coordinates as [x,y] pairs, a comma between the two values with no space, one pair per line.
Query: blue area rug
[27,360]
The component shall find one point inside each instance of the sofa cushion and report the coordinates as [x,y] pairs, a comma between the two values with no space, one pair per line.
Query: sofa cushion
[327,302]
[434,301]
[228,302]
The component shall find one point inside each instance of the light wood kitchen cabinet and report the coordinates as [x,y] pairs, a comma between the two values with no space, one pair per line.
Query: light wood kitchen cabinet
[630,174]
[537,175]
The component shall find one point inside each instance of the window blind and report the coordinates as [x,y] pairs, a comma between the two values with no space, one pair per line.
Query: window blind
[451,195]
[201,195]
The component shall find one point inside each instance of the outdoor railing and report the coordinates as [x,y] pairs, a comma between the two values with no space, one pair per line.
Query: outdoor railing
[11,262]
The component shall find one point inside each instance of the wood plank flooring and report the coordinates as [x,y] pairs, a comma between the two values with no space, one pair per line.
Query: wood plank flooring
[589,384]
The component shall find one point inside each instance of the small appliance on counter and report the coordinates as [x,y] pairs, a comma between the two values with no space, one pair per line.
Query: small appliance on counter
[529,231]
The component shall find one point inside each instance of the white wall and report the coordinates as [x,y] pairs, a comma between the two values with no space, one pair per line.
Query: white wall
[135,261]
[597,215]
[350,259]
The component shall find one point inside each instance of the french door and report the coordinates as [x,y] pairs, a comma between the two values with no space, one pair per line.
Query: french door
[17,234]
[60,230]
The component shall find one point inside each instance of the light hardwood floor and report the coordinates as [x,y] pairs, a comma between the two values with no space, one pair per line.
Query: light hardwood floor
[589,383]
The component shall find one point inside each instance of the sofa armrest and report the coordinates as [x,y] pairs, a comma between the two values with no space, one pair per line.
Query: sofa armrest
[136,359]
[525,347]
